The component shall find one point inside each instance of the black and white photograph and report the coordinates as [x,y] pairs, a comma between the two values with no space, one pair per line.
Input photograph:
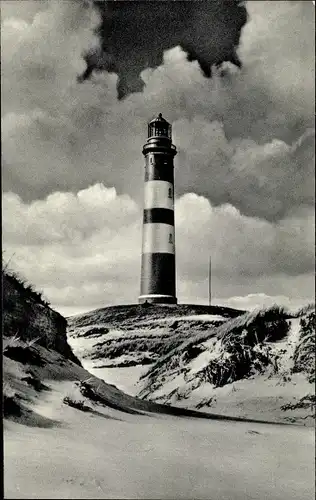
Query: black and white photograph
[158,249]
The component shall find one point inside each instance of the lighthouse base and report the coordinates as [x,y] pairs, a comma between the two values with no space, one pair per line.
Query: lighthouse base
[157,299]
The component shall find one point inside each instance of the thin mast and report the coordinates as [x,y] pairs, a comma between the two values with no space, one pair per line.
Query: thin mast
[210,282]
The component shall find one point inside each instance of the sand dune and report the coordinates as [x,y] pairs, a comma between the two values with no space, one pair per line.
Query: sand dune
[122,447]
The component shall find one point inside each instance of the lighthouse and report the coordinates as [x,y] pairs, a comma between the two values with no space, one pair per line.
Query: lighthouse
[158,263]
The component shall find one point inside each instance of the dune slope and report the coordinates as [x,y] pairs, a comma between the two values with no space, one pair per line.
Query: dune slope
[257,365]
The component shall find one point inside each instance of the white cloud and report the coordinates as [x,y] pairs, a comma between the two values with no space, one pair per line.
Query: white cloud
[65,218]
[25,10]
[260,301]
[41,57]
[278,48]
[70,244]
[83,250]
[241,246]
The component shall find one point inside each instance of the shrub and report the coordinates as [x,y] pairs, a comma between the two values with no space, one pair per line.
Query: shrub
[35,382]
[241,362]
[95,332]
[10,342]
[192,352]
[308,401]
[23,354]
[79,405]
[10,404]
[11,407]
[23,286]
[304,354]
[241,348]
[309,308]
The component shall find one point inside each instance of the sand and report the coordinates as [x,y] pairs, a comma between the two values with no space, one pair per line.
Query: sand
[154,456]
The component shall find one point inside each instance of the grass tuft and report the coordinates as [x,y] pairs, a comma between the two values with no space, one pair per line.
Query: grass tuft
[23,285]
[79,405]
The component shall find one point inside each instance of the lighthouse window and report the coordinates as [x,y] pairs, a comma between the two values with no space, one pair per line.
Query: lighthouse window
[169,193]
[160,132]
[151,160]
[170,238]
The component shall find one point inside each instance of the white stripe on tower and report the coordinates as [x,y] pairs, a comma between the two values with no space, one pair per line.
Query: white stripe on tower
[158,194]
[158,230]
[158,238]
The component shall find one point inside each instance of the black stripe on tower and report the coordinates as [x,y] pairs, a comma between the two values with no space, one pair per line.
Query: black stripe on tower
[158,274]
[159,171]
[159,215]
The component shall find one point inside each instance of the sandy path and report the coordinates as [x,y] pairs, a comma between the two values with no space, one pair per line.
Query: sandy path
[158,457]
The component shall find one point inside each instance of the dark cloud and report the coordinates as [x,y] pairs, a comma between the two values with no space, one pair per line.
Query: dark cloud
[263,180]
[134,35]
[244,136]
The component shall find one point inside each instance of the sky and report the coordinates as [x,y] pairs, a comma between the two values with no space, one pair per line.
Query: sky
[72,167]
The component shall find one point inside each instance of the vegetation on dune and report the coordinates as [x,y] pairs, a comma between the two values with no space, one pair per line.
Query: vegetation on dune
[257,326]
[144,360]
[10,403]
[22,285]
[306,402]
[90,393]
[136,314]
[28,317]
[304,354]
[10,407]
[35,383]
[77,404]
[95,332]
[309,308]
[162,338]
[19,299]
[241,350]
[235,362]
[23,354]
[156,344]
[190,358]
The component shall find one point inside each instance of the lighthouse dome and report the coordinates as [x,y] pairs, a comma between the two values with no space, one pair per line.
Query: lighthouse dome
[159,119]
[159,127]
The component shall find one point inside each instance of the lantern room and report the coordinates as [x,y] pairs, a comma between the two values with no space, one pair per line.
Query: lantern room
[159,127]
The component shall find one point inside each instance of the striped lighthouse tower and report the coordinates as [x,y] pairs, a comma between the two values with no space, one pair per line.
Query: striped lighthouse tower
[158,271]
